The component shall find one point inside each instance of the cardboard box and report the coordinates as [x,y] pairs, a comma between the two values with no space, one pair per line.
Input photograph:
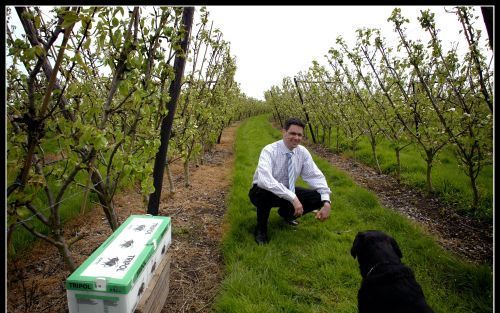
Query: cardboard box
[114,277]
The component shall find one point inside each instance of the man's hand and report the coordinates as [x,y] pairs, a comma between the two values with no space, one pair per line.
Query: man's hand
[299,209]
[324,212]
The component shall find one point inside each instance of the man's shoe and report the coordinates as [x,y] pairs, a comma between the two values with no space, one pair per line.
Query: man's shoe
[261,237]
[291,221]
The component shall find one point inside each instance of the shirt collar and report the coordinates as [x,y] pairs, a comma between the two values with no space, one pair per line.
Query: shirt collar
[283,148]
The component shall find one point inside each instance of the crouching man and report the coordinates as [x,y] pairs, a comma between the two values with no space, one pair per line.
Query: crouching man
[280,163]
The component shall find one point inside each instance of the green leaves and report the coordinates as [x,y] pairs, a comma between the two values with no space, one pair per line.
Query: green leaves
[147,186]
[92,136]
[137,96]
[69,18]
[37,21]
[102,38]
[79,61]
[39,51]
[123,88]
[122,132]
[87,43]
[100,142]
[118,37]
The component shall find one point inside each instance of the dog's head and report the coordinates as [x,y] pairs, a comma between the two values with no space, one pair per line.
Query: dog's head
[372,247]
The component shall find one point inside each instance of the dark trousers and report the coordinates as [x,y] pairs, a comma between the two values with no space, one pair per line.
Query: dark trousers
[264,200]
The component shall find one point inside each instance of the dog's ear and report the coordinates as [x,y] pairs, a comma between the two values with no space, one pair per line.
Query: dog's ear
[355,244]
[396,248]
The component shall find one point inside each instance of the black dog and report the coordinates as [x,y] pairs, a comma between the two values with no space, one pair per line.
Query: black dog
[388,285]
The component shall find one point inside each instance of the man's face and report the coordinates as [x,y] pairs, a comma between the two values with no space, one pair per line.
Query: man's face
[293,136]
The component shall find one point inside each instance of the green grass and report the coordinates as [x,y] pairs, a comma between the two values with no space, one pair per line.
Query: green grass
[449,182]
[309,268]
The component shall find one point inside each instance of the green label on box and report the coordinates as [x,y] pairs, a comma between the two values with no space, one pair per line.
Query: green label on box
[86,296]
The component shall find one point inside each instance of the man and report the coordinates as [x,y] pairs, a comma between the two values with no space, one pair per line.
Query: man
[274,183]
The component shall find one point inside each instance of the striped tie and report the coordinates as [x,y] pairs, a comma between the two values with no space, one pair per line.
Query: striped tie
[291,172]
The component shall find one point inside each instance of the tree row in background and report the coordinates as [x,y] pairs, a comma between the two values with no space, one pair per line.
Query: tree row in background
[410,93]
[87,88]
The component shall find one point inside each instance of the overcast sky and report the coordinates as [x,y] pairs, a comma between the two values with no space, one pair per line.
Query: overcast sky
[272,42]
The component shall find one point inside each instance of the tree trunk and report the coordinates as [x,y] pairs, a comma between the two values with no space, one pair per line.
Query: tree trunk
[170,179]
[186,161]
[475,191]
[353,149]
[66,254]
[429,160]
[186,173]
[329,136]
[167,122]
[398,165]
[277,111]
[87,188]
[220,135]
[305,111]
[373,143]
[488,22]
[107,205]
[202,152]
[338,130]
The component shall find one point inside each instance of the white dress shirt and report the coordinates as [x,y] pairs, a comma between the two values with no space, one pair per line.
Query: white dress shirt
[271,173]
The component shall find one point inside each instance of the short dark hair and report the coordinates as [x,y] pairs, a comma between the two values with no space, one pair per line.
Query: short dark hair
[294,121]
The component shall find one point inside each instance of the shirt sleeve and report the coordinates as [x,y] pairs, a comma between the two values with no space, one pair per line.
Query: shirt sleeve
[265,179]
[313,176]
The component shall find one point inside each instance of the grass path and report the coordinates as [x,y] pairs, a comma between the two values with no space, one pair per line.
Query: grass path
[309,268]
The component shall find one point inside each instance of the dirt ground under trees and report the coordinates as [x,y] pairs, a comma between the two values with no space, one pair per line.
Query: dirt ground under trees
[35,283]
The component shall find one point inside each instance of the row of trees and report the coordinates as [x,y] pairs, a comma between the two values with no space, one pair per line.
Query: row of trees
[88,90]
[414,93]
